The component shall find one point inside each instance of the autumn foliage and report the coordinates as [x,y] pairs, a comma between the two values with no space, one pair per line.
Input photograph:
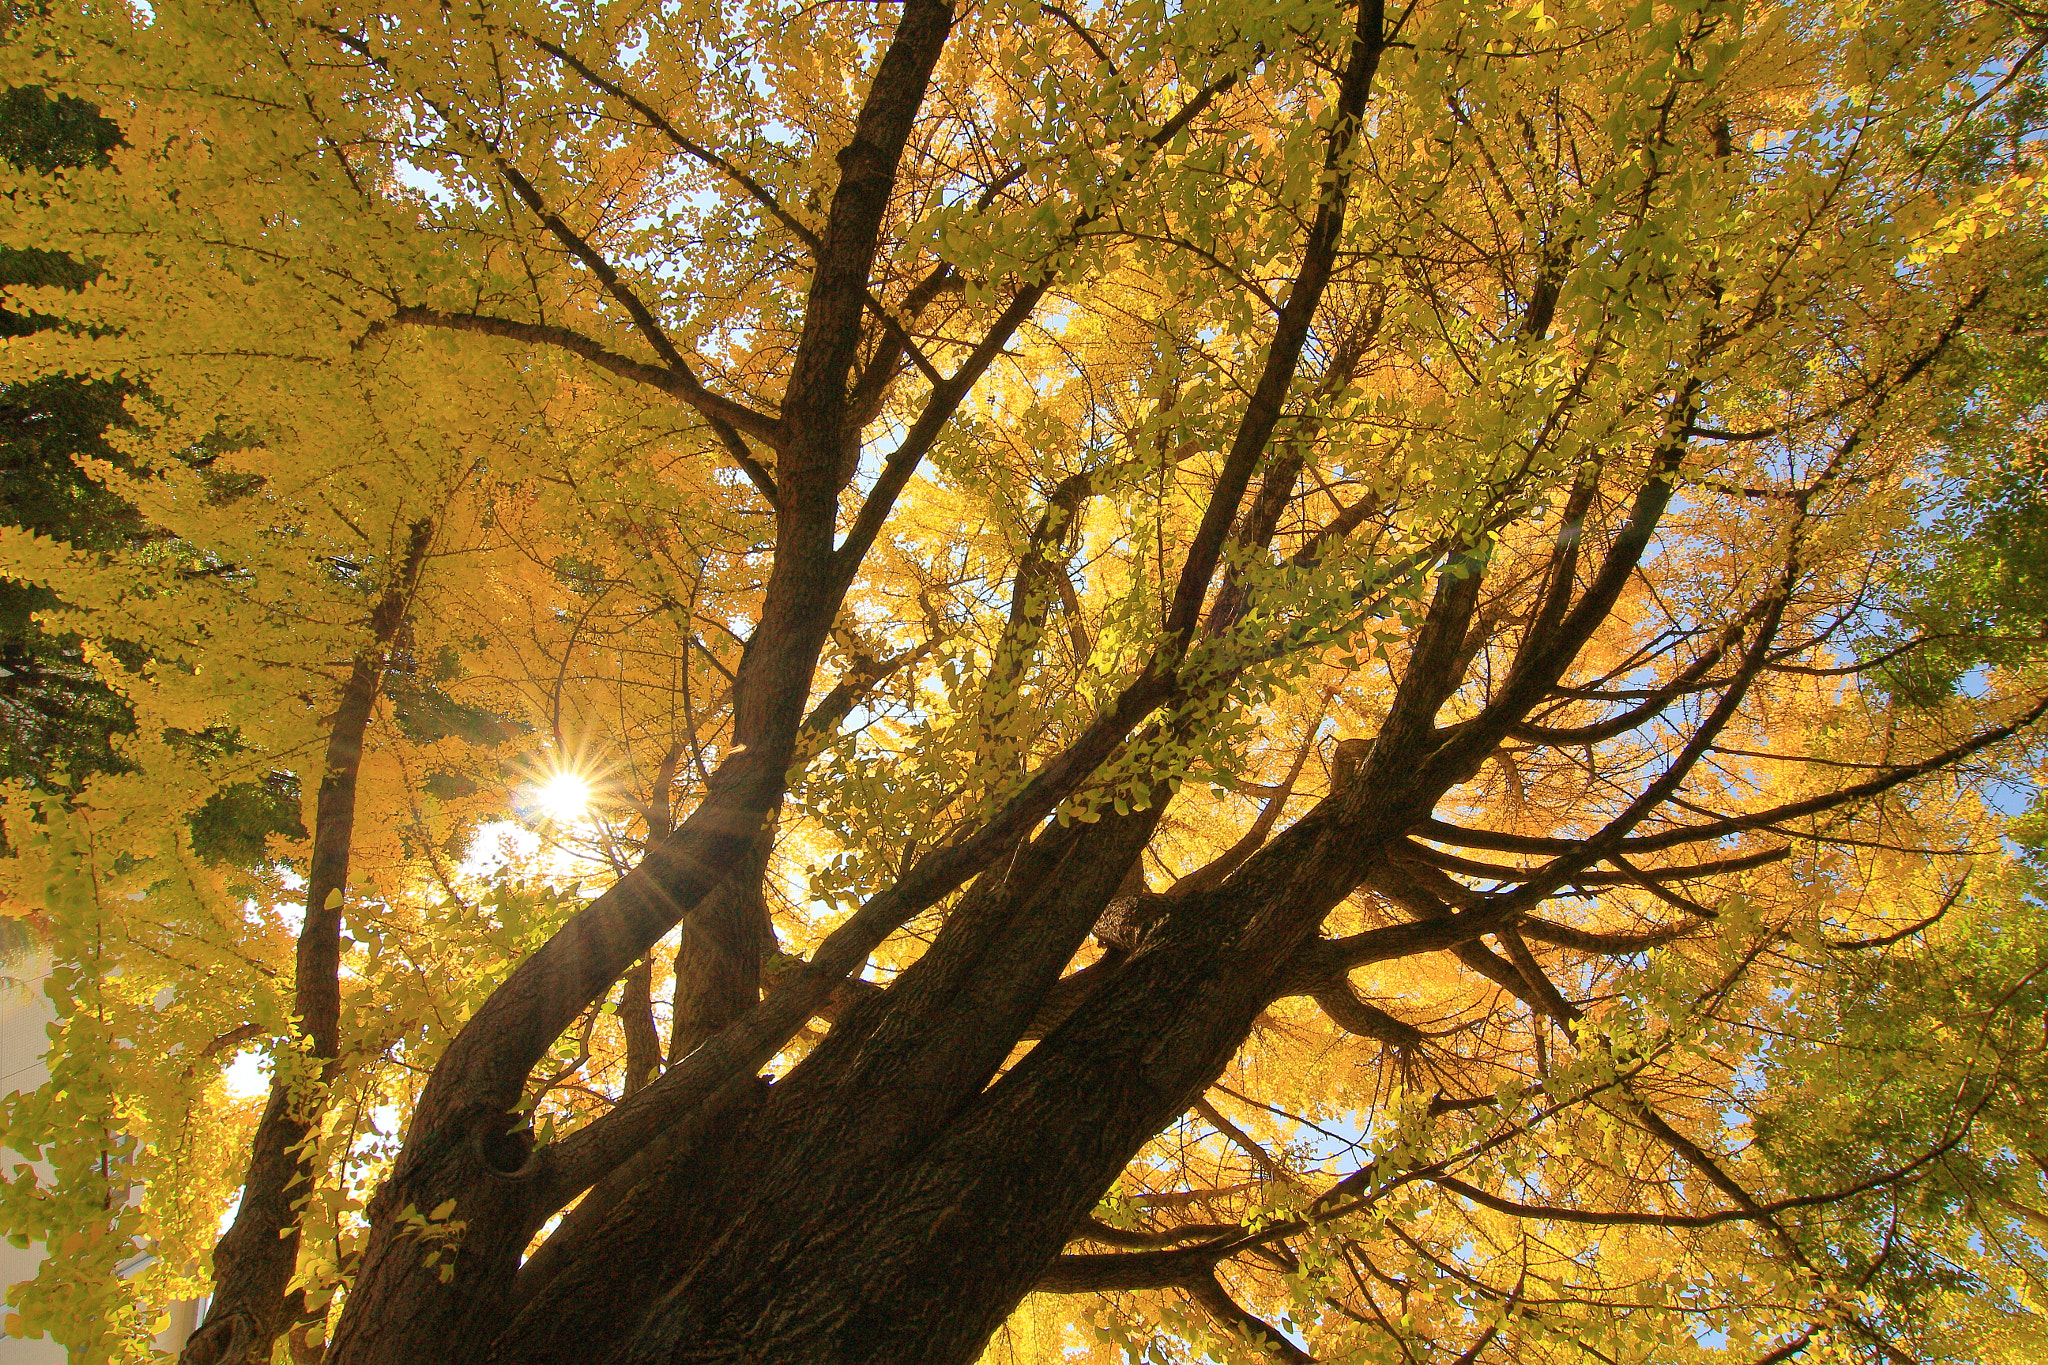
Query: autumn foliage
[918,683]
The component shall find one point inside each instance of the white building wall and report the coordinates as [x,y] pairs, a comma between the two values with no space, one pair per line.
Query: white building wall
[24,1014]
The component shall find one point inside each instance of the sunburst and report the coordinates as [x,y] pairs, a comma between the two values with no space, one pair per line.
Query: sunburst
[564,797]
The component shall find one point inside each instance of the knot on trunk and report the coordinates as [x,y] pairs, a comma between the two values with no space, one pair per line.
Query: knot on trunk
[1123,921]
[1348,760]
[222,1341]
[502,1144]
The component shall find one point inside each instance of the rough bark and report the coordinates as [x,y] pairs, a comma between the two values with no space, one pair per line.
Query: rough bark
[816,1239]
[719,955]
[464,1142]
[636,1022]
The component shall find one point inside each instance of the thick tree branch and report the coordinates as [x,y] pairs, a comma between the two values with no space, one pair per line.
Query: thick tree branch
[1496,872]
[1206,1290]
[871,386]
[1103,1233]
[1544,658]
[636,1020]
[1608,944]
[1771,819]
[818,391]
[1340,1000]
[1659,699]
[1212,873]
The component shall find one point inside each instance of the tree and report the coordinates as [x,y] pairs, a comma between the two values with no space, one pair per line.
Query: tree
[57,718]
[1153,600]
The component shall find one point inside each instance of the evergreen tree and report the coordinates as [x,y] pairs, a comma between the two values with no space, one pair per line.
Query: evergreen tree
[57,715]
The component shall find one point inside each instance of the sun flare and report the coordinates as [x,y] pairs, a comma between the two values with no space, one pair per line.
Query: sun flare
[564,797]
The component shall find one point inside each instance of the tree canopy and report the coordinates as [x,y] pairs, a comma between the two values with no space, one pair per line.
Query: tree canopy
[910,682]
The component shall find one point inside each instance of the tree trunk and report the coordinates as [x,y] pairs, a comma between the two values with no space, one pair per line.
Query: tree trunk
[894,1198]
[887,1202]
[254,1260]
[636,1020]
[719,954]
[806,1224]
